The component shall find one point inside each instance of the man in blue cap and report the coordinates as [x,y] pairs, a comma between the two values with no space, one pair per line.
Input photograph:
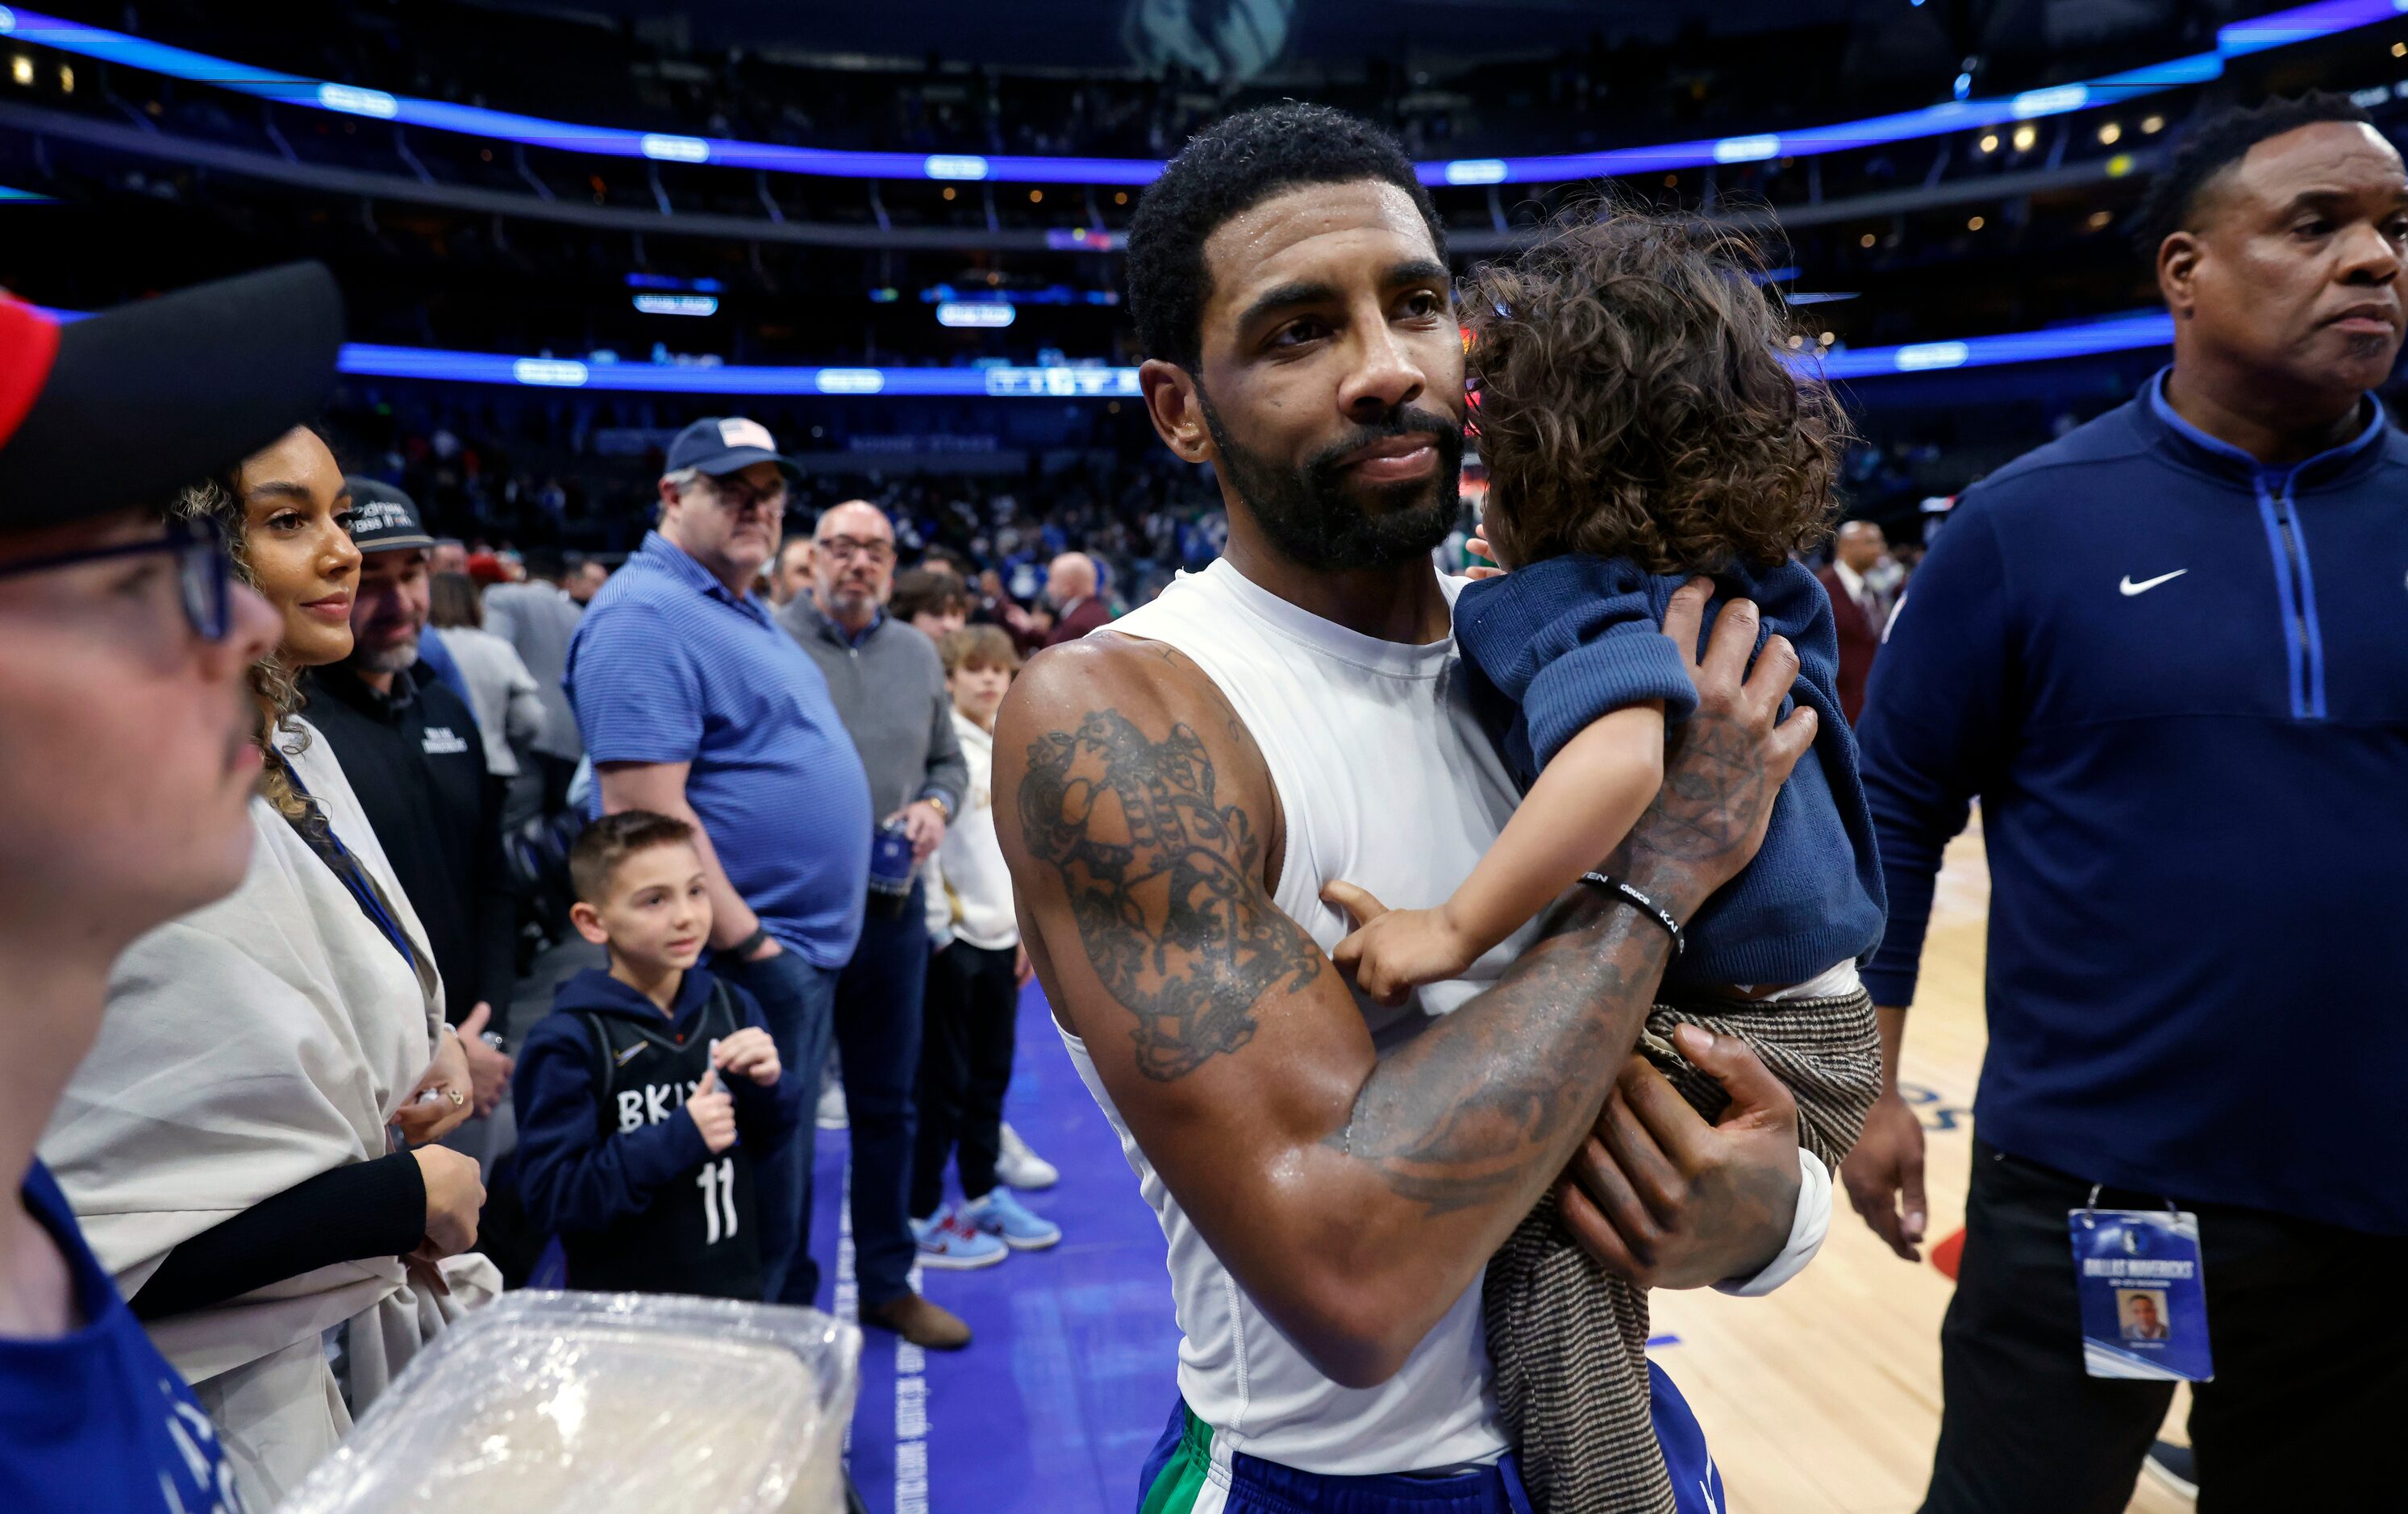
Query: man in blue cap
[694,704]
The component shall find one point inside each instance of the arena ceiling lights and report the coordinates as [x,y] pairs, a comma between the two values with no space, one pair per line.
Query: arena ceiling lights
[2298,24]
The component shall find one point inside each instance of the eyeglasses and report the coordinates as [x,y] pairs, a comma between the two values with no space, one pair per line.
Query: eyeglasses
[842,548]
[204,573]
[741,497]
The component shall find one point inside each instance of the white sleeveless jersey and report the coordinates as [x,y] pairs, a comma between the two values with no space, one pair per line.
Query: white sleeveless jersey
[1386,780]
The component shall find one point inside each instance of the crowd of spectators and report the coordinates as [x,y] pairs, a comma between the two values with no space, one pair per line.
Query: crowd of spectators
[301,1144]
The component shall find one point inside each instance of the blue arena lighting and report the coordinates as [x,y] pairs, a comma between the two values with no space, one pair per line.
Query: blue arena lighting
[2282,28]
[2132,332]
[2122,334]
[984,314]
[653,281]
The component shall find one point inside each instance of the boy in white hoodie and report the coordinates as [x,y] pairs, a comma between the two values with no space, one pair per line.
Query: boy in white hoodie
[973,996]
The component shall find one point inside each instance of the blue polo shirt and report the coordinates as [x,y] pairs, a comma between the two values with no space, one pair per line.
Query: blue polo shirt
[669,666]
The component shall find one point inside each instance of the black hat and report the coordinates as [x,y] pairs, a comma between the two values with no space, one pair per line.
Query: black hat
[383,518]
[122,408]
[716,446]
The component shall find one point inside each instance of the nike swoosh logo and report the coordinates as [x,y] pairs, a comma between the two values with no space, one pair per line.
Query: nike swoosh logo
[2142,587]
[632,1054]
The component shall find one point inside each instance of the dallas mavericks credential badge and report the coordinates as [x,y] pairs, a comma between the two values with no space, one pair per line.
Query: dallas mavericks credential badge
[2143,1294]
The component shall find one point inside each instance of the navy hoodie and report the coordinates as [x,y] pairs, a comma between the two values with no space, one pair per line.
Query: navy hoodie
[572,1177]
[2177,680]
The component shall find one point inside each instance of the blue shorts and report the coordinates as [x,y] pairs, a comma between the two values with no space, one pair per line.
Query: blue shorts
[1181,1476]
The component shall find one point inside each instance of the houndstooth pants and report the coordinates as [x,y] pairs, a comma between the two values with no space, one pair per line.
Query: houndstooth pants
[1568,1341]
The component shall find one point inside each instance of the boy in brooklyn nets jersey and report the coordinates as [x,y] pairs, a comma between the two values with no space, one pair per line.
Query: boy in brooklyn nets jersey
[647,1096]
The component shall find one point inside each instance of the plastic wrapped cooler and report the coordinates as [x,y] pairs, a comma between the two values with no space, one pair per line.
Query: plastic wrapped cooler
[606,1404]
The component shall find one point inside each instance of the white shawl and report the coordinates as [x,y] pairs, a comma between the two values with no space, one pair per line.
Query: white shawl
[250,1045]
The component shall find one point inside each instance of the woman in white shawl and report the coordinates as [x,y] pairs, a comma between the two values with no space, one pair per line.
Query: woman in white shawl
[247,1143]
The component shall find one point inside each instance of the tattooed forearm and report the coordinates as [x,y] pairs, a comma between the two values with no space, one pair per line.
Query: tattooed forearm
[1165,884]
[1490,1102]
[1715,790]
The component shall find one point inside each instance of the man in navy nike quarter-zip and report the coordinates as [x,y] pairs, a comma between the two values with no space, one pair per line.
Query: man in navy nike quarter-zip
[2169,654]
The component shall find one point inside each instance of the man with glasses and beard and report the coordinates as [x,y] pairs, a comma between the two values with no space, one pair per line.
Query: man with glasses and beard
[1175,792]
[889,689]
[694,704]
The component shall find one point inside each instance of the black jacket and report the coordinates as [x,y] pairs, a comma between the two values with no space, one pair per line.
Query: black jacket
[417,765]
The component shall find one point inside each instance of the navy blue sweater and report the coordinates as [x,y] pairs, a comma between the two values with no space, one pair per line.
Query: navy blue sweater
[570,1176]
[1562,643]
[2178,683]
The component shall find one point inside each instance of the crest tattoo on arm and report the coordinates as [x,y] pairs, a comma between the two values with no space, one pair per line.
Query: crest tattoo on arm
[1164,881]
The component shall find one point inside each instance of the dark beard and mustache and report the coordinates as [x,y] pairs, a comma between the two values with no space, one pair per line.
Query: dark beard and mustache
[1314,521]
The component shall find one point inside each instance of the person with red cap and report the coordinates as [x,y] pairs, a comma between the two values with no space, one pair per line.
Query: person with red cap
[126,773]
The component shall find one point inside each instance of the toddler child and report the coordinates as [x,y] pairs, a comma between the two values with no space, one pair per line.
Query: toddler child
[1642,423]
[647,1096]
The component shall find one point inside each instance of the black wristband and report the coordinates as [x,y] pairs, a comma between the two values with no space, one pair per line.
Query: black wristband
[1608,883]
[742,951]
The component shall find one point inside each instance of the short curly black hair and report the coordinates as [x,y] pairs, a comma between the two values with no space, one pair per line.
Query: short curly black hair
[1228,169]
[2216,143]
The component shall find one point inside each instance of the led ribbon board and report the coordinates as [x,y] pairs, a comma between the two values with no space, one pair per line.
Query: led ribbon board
[2301,24]
[2123,334]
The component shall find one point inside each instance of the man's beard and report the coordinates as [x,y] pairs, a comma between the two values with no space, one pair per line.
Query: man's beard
[400,657]
[1314,521]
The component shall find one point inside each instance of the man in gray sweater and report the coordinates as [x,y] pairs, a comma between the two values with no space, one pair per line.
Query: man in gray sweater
[538,617]
[889,689]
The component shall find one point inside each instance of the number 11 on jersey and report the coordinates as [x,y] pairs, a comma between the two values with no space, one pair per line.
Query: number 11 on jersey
[717,1181]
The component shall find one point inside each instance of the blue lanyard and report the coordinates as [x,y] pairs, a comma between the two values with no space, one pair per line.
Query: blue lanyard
[347,867]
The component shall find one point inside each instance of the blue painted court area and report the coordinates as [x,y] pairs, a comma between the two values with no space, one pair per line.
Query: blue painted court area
[1071,1373]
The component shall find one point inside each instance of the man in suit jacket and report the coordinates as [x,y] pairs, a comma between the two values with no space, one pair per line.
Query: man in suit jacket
[1860,611]
[1071,585]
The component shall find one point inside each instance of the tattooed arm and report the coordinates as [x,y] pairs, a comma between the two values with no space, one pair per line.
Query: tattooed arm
[1355,1197]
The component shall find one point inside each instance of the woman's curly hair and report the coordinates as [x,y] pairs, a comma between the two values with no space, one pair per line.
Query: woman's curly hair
[275,685]
[1636,398]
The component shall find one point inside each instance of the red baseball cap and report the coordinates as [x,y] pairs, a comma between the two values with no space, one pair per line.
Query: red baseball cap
[122,408]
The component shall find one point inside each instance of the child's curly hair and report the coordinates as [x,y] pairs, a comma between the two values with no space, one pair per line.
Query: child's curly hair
[1636,398]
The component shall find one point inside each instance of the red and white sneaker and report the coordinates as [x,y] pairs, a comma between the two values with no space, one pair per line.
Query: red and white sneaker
[948,1241]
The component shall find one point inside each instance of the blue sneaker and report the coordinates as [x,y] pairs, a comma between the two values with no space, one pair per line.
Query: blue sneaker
[1000,1214]
[948,1239]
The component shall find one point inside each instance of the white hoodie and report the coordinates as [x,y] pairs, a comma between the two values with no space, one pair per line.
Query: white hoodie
[969,889]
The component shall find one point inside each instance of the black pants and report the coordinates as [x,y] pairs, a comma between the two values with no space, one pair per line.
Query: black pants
[877,1022]
[964,1067]
[556,774]
[2311,1361]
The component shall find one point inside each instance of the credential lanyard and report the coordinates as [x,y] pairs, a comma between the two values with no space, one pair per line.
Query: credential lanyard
[337,857]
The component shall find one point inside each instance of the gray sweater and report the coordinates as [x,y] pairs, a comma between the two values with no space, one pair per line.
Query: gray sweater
[890,693]
[538,619]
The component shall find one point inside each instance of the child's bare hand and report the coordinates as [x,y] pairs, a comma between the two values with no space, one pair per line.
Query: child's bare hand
[1478,547]
[747,1054]
[1394,951]
[713,1113]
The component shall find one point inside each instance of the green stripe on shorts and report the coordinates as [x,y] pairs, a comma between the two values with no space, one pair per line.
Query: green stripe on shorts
[1181,1483]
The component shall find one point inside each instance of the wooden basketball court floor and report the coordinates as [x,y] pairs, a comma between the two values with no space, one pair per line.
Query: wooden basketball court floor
[1824,1398]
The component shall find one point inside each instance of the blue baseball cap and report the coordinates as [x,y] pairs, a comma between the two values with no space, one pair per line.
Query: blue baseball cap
[714,445]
